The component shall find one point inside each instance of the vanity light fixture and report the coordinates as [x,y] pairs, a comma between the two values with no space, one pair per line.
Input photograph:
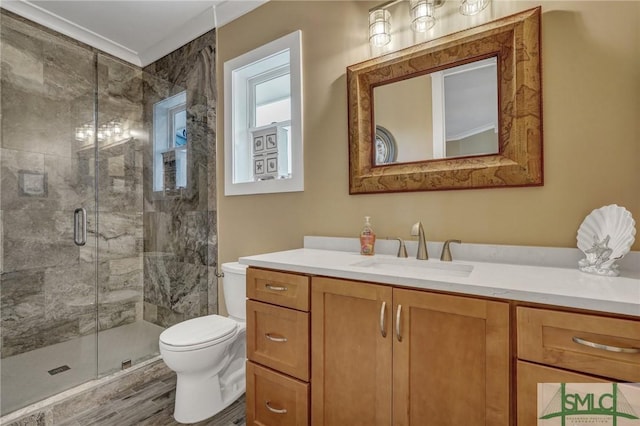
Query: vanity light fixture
[379,27]
[473,7]
[421,14]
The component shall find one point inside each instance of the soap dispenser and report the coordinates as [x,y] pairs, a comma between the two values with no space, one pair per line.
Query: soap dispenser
[367,238]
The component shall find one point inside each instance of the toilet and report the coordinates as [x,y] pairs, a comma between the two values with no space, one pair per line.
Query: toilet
[208,354]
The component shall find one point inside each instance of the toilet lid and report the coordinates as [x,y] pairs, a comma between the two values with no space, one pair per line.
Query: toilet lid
[199,330]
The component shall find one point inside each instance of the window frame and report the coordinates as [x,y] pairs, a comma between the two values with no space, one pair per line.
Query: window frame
[238,117]
[164,113]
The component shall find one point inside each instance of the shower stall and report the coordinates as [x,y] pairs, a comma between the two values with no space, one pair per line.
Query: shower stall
[103,227]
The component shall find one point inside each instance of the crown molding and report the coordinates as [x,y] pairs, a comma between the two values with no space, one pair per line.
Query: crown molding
[191,30]
[213,17]
[228,10]
[57,23]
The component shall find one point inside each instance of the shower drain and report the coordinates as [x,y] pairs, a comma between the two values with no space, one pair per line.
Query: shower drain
[59,370]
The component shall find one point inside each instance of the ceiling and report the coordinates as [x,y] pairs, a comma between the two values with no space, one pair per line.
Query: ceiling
[137,31]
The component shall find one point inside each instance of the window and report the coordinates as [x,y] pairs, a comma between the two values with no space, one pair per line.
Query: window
[170,143]
[263,119]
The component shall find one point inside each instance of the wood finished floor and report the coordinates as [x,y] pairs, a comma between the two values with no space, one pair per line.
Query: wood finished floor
[151,405]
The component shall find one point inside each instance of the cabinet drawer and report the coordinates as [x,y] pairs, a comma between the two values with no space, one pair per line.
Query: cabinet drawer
[278,288]
[278,338]
[607,347]
[529,375]
[275,399]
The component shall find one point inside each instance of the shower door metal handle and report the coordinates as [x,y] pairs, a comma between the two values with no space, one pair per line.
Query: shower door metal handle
[80,226]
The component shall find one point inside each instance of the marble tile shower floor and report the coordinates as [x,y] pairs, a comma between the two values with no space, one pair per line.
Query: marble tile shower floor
[25,378]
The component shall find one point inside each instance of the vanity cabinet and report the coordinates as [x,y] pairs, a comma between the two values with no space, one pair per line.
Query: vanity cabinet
[329,351]
[384,355]
[566,347]
[277,348]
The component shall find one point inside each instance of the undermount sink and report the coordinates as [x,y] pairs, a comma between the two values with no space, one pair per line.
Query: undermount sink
[419,268]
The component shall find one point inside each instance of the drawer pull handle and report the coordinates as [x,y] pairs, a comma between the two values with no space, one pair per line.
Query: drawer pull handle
[605,347]
[275,287]
[383,327]
[275,410]
[398,333]
[275,339]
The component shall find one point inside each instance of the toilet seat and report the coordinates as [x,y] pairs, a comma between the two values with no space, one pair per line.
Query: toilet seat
[198,332]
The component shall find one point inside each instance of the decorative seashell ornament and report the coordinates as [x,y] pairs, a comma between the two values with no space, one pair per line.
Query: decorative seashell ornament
[605,236]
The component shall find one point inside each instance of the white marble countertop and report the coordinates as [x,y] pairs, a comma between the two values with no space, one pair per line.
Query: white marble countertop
[560,286]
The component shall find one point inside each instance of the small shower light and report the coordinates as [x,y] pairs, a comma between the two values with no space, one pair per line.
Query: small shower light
[106,130]
[116,127]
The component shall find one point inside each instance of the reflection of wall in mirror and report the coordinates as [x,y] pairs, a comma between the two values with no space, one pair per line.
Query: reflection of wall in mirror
[480,143]
[408,116]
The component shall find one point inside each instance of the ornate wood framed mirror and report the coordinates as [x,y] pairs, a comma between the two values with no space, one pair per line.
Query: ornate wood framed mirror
[507,51]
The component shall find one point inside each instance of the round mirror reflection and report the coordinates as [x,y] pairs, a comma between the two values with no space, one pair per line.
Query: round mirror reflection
[386,148]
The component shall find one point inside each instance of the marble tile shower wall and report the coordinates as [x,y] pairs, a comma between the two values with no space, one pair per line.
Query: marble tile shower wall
[156,254]
[180,230]
[47,284]
[48,288]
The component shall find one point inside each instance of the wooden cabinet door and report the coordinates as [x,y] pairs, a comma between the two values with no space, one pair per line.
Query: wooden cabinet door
[451,363]
[528,377]
[351,365]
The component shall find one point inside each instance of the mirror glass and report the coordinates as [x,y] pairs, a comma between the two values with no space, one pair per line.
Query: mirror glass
[459,112]
[445,114]
[263,119]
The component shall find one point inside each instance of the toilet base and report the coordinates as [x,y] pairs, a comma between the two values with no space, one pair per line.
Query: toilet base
[201,397]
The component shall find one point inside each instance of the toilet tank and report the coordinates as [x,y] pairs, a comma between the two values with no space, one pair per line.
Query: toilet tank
[235,289]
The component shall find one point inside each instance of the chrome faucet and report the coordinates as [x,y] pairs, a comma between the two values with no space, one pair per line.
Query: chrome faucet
[418,231]
[445,256]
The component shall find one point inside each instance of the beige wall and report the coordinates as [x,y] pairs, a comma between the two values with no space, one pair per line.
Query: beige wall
[407,116]
[591,79]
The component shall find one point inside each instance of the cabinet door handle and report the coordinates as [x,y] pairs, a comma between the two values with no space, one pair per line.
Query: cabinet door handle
[584,342]
[275,339]
[275,287]
[383,326]
[398,333]
[275,410]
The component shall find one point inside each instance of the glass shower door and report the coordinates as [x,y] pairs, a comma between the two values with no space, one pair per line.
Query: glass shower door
[125,338]
[48,214]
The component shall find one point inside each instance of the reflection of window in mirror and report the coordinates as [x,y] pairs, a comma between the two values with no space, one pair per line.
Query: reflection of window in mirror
[263,129]
[445,114]
[470,97]
[170,143]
